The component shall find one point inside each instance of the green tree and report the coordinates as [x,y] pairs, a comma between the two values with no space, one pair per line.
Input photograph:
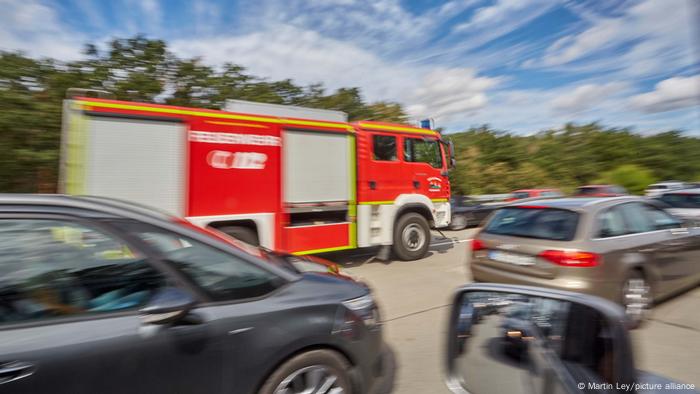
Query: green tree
[630,176]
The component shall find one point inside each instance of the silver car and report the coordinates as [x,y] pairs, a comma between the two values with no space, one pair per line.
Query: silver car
[626,249]
[684,203]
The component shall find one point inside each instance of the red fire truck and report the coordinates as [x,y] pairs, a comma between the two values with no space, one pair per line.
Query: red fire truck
[292,179]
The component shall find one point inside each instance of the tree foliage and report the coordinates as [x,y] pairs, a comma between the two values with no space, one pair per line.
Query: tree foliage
[136,69]
[491,161]
[630,176]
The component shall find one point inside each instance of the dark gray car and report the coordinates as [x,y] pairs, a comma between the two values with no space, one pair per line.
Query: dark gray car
[97,296]
[624,249]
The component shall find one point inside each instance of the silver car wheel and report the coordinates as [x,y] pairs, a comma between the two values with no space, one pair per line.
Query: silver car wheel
[636,298]
[315,379]
[413,237]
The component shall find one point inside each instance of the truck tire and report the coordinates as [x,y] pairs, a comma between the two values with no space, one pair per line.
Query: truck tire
[241,233]
[329,368]
[411,237]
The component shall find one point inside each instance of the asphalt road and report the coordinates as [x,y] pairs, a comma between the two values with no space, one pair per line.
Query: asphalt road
[415,296]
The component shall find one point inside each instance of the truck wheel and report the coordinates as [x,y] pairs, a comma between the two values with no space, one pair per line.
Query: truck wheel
[411,237]
[317,371]
[241,233]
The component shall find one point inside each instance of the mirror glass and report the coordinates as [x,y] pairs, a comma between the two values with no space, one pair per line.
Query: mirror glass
[168,305]
[515,343]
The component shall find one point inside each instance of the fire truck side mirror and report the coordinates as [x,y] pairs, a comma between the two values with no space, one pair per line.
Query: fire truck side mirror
[451,148]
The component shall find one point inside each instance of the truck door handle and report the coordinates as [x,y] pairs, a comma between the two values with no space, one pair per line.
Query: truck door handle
[14,370]
[372,185]
[416,184]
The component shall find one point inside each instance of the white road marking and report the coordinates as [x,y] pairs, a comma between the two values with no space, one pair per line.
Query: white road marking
[458,241]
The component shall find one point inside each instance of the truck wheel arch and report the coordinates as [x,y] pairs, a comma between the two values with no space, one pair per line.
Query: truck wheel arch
[246,230]
[415,208]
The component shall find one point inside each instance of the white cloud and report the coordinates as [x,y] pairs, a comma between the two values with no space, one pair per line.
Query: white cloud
[491,22]
[586,96]
[670,94]
[206,16]
[448,93]
[34,28]
[151,9]
[649,37]
[598,37]
[308,57]
[305,56]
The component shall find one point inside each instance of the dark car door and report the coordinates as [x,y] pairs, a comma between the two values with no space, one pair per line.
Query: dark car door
[252,323]
[69,298]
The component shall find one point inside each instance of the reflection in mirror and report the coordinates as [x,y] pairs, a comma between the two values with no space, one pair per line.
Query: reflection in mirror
[515,343]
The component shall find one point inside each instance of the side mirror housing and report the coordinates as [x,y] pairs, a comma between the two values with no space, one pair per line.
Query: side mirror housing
[505,338]
[167,305]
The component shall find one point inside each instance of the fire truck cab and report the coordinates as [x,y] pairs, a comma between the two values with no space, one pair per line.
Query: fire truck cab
[296,180]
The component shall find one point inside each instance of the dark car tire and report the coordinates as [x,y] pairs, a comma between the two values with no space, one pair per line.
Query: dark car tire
[411,227]
[332,362]
[642,288]
[244,234]
[459,222]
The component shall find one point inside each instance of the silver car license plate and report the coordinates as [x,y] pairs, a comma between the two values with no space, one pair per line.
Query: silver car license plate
[511,258]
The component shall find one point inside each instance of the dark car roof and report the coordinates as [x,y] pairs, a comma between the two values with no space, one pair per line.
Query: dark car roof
[87,204]
[105,207]
[577,203]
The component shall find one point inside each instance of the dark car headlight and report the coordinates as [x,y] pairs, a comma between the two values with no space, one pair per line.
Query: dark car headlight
[365,308]
[357,312]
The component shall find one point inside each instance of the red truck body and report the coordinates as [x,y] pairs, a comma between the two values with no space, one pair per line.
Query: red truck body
[300,185]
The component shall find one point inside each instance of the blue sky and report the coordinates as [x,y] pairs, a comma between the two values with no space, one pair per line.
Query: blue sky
[518,65]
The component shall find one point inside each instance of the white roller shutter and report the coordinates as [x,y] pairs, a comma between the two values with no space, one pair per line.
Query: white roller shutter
[137,160]
[316,167]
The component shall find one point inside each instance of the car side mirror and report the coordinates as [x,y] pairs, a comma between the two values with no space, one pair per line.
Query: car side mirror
[168,305]
[517,339]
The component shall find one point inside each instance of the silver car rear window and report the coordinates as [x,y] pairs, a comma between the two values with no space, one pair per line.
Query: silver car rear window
[534,222]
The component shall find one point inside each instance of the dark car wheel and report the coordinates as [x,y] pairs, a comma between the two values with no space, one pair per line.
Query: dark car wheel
[459,222]
[411,237]
[636,297]
[242,233]
[317,371]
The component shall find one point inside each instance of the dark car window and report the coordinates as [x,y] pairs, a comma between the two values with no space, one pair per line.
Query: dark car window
[682,200]
[586,191]
[422,151]
[611,223]
[636,218]
[542,223]
[521,195]
[56,268]
[384,147]
[222,275]
[660,219]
